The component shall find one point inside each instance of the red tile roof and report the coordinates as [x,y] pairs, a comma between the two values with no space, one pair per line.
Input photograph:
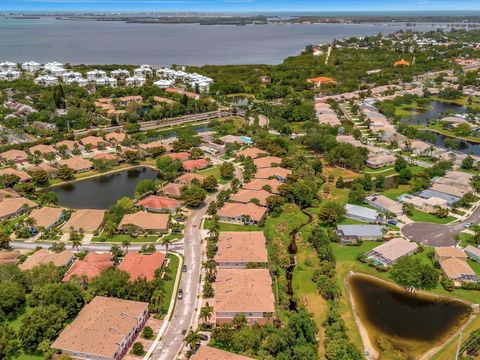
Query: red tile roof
[195,164]
[142,266]
[158,203]
[182,156]
[91,266]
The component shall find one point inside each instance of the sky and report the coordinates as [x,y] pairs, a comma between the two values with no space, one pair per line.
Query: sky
[239,5]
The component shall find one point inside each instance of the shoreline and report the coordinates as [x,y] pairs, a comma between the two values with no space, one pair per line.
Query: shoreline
[131,167]
[367,343]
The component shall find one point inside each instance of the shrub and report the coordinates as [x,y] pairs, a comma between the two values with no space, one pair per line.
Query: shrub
[137,349]
[147,332]
[447,284]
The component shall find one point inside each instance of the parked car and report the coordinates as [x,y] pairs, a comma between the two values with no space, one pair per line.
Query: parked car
[180,294]
[392,222]
[467,225]
[203,337]
[184,268]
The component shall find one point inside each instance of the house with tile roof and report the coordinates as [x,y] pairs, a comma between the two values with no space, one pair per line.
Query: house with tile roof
[142,265]
[156,203]
[145,222]
[14,156]
[44,256]
[89,220]
[104,329]
[209,353]
[245,196]
[47,217]
[237,249]
[248,214]
[247,291]
[11,207]
[91,266]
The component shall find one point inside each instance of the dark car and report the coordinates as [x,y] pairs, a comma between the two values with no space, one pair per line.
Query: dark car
[184,268]
[203,337]
[180,294]
[393,222]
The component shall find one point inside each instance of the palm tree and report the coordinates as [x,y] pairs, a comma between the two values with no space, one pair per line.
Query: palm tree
[126,243]
[4,240]
[158,297]
[192,339]
[211,267]
[76,241]
[166,241]
[206,313]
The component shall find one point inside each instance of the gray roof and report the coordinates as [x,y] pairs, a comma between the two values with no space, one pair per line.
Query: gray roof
[361,230]
[361,211]
[427,194]
[472,251]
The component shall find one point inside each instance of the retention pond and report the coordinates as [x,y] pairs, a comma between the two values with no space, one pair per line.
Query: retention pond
[102,191]
[398,321]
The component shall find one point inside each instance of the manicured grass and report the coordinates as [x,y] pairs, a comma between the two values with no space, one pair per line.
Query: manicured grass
[385,171]
[394,193]
[215,171]
[407,110]
[420,216]
[232,227]
[121,237]
[170,284]
[464,239]
[172,237]
[475,266]
[348,221]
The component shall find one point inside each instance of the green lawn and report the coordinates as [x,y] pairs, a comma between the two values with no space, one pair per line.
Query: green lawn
[170,284]
[420,216]
[475,267]
[215,171]
[396,192]
[15,325]
[121,237]
[347,221]
[172,237]
[232,227]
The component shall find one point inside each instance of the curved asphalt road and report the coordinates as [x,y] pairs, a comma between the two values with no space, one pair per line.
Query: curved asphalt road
[437,234]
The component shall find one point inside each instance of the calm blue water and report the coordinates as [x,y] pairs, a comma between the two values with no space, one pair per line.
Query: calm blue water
[94,42]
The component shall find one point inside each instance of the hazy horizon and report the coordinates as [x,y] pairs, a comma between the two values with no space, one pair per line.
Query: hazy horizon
[461,7]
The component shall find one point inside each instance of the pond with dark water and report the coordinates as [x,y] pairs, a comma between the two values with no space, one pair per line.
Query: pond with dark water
[102,191]
[413,323]
[461,146]
[436,111]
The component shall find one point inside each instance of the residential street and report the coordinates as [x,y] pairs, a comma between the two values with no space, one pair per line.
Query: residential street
[184,312]
[438,234]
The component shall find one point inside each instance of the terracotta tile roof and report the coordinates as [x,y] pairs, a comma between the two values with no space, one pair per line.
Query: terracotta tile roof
[322,80]
[70,144]
[92,140]
[187,178]
[235,210]
[244,196]
[164,100]
[402,62]
[142,266]
[158,203]
[105,156]
[182,156]
[135,98]
[172,190]
[49,169]
[76,163]
[450,251]
[21,174]
[91,266]
[10,206]
[267,173]
[258,184]
[267,161]
[146,221]
[86,219]
[9,257]
[195,164]
[210,353]
[241,246]
[14,155]
[44,256]
[115,136]
[42,148]
[243,290]
[46,216]
[455,268]
[157,144]
[8,193]
[252,152]
[101,327]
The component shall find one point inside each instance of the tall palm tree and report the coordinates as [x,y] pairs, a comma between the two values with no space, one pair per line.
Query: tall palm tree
[158,297]
[206,313]
[166,241]
[126,243]
[76,241]
[192,339]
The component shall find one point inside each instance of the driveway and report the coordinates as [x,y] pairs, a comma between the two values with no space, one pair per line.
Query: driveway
[437,234]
